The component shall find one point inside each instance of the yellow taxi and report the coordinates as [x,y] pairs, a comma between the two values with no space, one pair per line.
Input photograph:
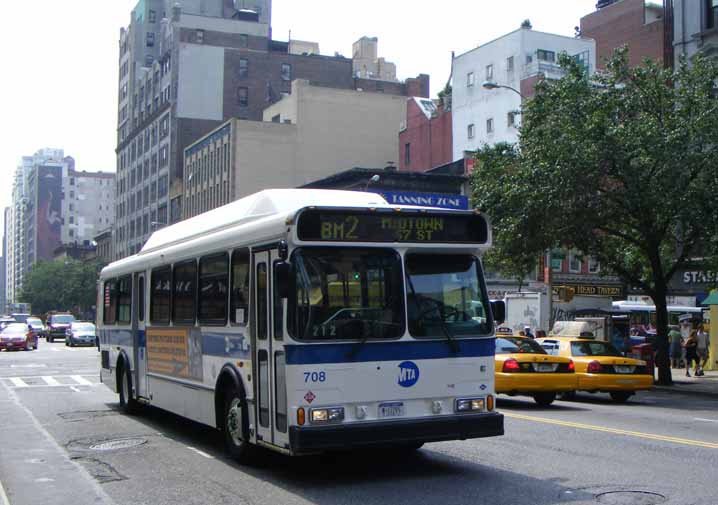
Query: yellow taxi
[524,368]
[600,367]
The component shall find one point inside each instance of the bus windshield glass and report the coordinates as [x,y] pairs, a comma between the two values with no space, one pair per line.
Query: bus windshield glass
[346,294]
[445,297]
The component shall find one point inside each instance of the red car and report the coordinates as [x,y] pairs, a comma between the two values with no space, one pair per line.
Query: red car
[18,336]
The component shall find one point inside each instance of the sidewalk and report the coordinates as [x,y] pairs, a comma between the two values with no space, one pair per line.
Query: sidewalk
[706,385]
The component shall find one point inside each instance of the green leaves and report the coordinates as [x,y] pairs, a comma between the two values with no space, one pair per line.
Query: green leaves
[65,284]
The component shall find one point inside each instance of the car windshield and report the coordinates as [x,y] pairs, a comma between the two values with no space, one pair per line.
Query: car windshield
[511,345]
[20,318]
[15,328]
[62,319]
[346,294]
[445,297]
[593,349]
[34,322]
[83,326]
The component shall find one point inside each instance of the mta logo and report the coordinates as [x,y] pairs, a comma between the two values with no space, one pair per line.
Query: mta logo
[408,374]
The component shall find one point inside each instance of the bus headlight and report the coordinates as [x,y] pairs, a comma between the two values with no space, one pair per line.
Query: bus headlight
[327,415]
[470,404]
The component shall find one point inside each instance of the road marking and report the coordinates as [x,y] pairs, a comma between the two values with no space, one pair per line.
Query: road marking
[55,349]
[201,453]
[18,382]
[32,365]
[705,420]
[51,381]
[74,389]
[3,497]
[80,380]
[650,436]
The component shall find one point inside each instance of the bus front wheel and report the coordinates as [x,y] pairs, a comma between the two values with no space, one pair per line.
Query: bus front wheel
[236,427]
[124,385]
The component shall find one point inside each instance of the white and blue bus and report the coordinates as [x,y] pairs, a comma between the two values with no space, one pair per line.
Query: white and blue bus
[306,321]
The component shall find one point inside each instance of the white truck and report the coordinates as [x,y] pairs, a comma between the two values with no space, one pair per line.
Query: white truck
[526,309]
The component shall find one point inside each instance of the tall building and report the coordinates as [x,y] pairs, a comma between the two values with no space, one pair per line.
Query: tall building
[694,27]
[484,110]
[52,204]
[308,135]
[3,261]
[637,24]
[366,62]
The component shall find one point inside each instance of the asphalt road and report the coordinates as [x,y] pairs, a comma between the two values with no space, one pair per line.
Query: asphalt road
[62,441]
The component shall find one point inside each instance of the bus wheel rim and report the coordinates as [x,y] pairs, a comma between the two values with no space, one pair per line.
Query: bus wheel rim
[234,421]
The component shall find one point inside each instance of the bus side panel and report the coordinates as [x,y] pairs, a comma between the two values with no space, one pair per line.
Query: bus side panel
[115,340]
[193,402]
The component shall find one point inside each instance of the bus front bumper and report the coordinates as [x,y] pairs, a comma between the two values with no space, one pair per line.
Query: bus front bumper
[312,439]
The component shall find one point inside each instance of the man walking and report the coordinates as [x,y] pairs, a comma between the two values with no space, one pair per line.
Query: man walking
[702,349]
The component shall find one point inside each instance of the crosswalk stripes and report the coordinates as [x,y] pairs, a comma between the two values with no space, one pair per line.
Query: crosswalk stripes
[49,381]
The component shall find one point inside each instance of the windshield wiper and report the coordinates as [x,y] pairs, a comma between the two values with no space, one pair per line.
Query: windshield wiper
[450,340]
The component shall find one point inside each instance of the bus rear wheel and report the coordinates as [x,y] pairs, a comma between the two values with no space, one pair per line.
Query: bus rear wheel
[236,428]
[124,385]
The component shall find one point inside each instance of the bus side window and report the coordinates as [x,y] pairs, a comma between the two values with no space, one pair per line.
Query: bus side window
[239,304]
[109,306]
[212,302]
[160,295]
[184,283]
[141,299]
[124,299]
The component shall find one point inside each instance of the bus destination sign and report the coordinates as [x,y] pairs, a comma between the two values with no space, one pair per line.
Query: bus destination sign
[359,226]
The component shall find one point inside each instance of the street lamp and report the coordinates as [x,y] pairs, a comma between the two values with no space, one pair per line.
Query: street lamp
[493,85]
[374,179]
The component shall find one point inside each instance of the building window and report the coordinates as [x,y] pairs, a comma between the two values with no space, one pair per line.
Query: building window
[593,265]
[243,96]
[489,72]
[490,125]
[286,72]
[470,79]
[711,13]
[510,64]
[511,119]
[407,154]
[574,262]
[72,220]
[470,131]
[149,59]
[199,36]
[543,55]
[243,40]
[243,68]
[150,39]
[152,16]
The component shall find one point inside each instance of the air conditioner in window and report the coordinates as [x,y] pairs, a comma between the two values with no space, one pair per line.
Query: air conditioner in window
[402,126]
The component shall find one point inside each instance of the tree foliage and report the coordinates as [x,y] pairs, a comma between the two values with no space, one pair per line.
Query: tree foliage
[621,165]
[63,285]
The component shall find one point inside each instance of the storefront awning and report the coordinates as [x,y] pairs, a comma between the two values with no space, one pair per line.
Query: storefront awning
[712,299]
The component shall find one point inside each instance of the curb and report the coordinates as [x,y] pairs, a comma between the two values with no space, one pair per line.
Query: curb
[687,391]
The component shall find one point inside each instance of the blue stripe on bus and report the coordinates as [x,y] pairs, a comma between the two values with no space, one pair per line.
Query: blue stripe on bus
[231,344]
[316,354]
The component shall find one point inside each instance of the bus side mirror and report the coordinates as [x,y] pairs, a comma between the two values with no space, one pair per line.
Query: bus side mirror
[498,309]
[281,279]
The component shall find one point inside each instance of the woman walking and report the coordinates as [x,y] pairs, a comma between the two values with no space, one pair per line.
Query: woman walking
[691,345]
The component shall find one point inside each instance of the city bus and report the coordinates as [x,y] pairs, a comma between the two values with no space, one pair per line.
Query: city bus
[306,321]
[642,316]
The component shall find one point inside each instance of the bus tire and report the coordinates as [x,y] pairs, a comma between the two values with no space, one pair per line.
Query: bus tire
[124,387]
[235,427]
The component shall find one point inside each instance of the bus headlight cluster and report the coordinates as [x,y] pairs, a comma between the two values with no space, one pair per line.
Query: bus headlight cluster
[470,405]
[327,415]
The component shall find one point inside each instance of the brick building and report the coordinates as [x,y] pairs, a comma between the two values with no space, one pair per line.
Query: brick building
[426,135]
[638,24]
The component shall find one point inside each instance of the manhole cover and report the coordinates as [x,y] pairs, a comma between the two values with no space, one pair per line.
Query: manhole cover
[630,498]
[120,443]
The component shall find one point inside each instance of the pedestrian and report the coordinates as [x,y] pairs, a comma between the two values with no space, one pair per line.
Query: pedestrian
[540,334]
[527,331]
[702,344]
[691,355]
[675,340]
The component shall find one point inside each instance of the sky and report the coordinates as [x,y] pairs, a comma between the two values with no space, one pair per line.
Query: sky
[59,86]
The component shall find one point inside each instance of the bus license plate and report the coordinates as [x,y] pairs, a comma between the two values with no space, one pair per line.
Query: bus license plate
[393,409]
[624,369]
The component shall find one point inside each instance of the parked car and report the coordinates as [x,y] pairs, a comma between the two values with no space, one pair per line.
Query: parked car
[57,325]
[20,317]
[5,320]
[17,336]
[36,325]
[81,333]
[600,367]
[524,368]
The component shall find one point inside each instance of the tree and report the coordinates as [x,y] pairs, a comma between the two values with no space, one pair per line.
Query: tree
[61,285]
[622,166]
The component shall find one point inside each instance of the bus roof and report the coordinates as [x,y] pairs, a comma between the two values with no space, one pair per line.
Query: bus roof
[624,305]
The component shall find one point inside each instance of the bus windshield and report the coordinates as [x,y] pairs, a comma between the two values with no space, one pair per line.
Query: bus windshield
[444,296]
[346,294]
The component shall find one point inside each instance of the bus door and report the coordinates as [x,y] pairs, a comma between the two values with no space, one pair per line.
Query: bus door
[271,393]
[139,340]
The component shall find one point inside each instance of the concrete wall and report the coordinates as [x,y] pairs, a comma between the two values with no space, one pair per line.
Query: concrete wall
[201,80]
[625,23]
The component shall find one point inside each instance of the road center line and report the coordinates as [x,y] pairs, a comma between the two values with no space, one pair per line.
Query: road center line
[201,453]
[705,420]
[638,434]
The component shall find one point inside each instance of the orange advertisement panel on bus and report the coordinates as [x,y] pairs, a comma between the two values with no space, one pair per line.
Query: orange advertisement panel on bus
[168,352]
